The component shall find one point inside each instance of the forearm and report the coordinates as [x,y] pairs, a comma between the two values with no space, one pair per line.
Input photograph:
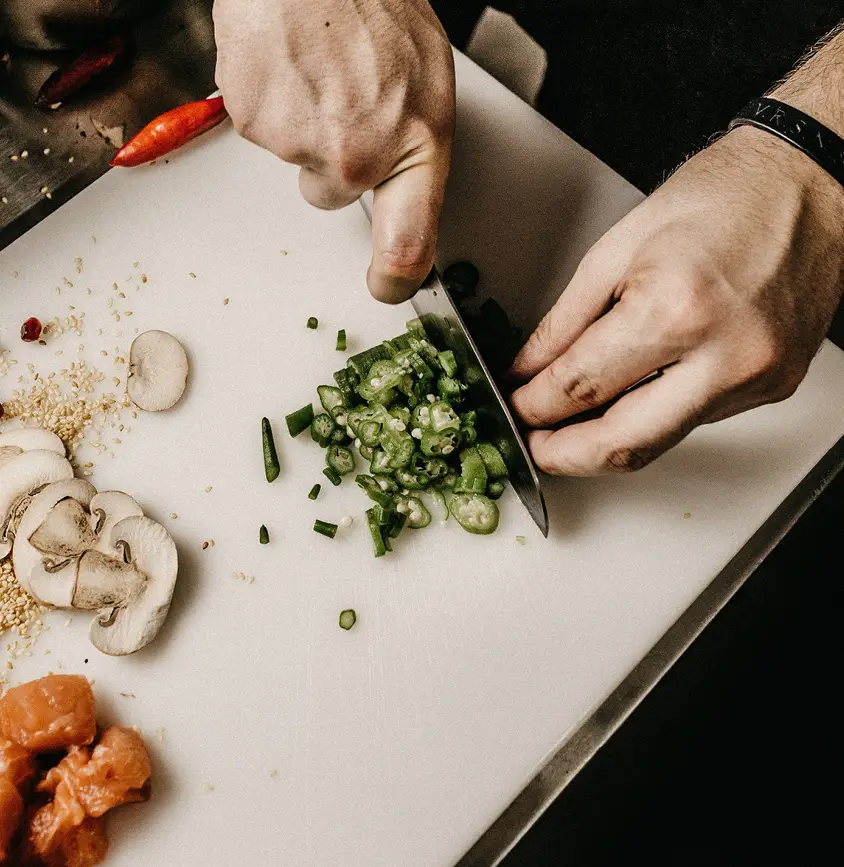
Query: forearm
[816,86]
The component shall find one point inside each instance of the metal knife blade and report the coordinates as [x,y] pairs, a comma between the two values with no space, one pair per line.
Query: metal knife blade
[442,320]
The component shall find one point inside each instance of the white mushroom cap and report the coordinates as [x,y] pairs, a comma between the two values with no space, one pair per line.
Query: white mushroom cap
[158,371]
[9,452]
[20,477]
[28,439]
[35,571]
[107,509]
[134,623]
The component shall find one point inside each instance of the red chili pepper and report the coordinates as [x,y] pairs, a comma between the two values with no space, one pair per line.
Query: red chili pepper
[170,131]
[31,330]
[68,80]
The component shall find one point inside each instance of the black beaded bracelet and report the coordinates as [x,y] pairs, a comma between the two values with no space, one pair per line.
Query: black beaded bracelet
[798,129]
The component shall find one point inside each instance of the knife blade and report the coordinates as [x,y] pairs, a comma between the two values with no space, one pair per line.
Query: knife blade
[445,326]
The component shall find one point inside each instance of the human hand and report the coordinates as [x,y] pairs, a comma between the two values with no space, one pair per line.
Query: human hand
[361,96]
[725,279]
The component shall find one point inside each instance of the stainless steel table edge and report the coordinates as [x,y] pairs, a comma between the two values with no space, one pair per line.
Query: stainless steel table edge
[563,765]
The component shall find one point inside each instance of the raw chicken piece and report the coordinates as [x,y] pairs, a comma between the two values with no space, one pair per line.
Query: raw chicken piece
[115,772]
[11,810]
[16,764]
[85,846]
[52,713]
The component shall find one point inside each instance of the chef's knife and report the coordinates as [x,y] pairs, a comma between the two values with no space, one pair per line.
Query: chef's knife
[442,320]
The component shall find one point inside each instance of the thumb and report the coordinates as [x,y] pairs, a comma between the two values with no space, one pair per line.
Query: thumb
[405,219]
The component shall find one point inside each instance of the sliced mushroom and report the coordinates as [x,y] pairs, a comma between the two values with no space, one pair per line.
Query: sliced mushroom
[107,509]
[21,476]
[135,620]
[158,371]
[28,439]
[9,452]
[105,582]
[65,532]
[48,574]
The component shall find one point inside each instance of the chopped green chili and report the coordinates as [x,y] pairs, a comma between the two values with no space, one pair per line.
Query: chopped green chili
[340,459]
[378,545]
[325,528]
[495,489]
[300,420]
[313,322]
[314,493]
[341,340]
[271,465]
[348,618]
[322,428]
[332,475]
[263,535]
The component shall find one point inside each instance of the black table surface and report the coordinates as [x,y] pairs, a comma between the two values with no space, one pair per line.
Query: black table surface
[734,758]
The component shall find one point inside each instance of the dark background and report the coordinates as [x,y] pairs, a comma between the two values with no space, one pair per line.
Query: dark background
[734,759]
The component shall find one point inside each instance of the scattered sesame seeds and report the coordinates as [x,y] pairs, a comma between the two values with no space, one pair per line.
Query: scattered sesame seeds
[19,612]
[242,576]
[208,489]
[173,516]
[225,301]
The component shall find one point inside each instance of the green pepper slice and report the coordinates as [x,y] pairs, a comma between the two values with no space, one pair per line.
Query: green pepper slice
[475,513]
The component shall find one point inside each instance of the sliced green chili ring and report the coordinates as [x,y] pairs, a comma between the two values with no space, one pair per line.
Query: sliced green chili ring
[331,398]
[436,443]
[348,619]
[448,481]
[339,437]
[300,420]
[271,464]
[357,416]
[313,322]
[332,475]
[366,452]
[341,340]
[387,483]
[421,415]
[493,460]
[322,427]
[380,463]
[473,475]
[448,362]
[340,459]
[412,481]
[378,545]
[475,513]
[468,436]
[399,446]
[417,514]
[325,528]
[436,468]
[369,433]
[495,489]
[469,419]
[391,347]
[402,413]
[263,535]
[439,498]
[314,492]
[373,490]
[443,416]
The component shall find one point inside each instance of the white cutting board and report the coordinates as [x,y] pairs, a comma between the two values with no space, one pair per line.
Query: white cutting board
[398,743]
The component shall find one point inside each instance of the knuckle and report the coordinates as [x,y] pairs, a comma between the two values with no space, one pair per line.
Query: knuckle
[765,361]
[620,458]
[578,387]
[406,256]
[680,308]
